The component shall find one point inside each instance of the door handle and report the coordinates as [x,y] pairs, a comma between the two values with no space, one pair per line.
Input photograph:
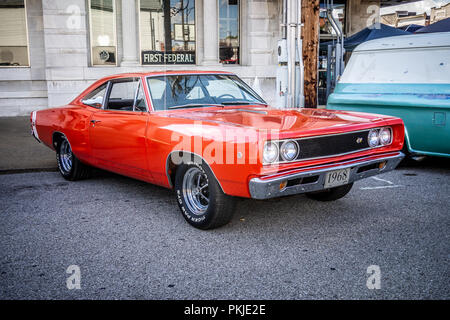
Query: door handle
[94,122]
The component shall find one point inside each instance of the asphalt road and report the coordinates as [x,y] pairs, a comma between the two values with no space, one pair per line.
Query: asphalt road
[130,241]
[19,151]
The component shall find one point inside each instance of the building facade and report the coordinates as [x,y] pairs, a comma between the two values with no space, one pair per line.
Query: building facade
[440,13]
[50,50]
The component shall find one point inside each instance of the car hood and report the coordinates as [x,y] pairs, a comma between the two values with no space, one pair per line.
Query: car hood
[285,120]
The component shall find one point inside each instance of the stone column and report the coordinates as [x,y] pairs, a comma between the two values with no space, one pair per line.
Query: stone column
[130,55]
[210,33]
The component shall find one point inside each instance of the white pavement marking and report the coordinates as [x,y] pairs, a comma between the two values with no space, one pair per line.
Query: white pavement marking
[390,185]
[379,179]
[380,187]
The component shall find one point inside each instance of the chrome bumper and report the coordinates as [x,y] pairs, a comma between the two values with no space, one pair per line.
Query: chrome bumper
[313,178]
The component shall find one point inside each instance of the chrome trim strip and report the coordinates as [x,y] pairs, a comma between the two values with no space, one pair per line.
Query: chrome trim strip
[269,188]
[34,132]
[249,110]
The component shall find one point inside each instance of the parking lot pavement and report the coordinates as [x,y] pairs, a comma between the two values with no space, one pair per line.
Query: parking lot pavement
[130,241]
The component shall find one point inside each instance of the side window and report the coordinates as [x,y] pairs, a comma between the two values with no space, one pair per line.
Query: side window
[140,104]
[157,90]
[158,86]
[122,95]
[95,97]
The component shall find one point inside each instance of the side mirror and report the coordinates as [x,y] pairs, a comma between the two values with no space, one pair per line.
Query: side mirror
[96,103]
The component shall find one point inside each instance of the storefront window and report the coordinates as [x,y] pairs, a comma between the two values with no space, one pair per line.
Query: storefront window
[13,34]
[229,31]
[167,31]
[103,32]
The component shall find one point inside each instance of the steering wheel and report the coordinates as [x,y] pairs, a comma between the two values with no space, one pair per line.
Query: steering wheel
[226,94]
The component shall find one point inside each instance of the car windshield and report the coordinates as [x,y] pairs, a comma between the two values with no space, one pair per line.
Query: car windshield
[200,90]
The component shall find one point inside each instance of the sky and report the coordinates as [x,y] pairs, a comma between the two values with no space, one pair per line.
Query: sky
[419,6]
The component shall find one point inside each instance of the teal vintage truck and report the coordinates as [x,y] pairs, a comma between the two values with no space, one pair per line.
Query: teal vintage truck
[404,76]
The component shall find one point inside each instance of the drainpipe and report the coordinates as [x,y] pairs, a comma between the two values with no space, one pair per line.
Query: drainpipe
[291,43]
[284,24]
[339,56]
[301,94]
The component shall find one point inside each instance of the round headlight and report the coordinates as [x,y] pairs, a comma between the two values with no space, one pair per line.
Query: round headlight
[373,138]
[385,136]
[270,152]
[289,150]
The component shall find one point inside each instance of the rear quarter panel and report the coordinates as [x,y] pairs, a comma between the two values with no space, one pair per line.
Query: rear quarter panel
[72,121]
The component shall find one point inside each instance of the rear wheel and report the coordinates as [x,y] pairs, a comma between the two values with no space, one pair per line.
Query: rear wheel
[330,194]
[200,198]
[68,164]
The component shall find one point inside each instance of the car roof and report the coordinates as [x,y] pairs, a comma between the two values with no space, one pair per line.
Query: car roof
[163,72]
[425,40]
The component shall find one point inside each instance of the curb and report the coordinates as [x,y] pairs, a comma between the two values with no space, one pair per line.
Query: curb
[14,171]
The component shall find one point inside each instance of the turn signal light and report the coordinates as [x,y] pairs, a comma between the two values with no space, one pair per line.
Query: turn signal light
[283,185]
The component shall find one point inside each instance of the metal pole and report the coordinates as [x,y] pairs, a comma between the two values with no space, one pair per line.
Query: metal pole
[300,99]
[291,32]
[329,64]
[284,24]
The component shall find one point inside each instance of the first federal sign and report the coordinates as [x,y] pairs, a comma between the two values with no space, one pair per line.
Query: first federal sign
[161,57]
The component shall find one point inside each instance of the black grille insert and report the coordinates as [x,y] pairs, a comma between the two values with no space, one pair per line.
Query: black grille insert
[331,145]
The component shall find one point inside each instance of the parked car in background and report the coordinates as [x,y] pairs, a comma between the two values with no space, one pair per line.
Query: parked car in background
[210,137]
[406,77]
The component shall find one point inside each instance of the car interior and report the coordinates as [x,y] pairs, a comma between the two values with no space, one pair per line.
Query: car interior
[124,95]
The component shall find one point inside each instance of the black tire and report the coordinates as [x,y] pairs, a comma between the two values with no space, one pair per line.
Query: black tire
[215,212]
[71,169]
[330,194]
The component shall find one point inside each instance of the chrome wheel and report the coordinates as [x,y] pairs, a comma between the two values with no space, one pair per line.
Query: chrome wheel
[65,156]
[196,191]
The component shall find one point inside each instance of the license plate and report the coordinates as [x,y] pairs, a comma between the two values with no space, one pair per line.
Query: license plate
[337,178]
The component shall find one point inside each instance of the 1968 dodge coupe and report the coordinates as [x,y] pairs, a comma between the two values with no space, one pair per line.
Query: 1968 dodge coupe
[211,138]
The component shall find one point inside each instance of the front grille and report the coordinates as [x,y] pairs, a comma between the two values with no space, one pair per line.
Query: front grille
[331,145]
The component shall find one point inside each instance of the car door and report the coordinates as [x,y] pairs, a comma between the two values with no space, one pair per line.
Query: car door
[118,130]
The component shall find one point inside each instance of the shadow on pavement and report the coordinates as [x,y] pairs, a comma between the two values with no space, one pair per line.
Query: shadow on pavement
[19,151]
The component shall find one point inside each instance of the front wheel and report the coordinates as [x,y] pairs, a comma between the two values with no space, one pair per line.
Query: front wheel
[200,198]
[330,194]
[68,164]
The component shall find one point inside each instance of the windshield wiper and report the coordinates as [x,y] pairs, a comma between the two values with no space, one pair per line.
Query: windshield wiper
[242,102]
[193,105]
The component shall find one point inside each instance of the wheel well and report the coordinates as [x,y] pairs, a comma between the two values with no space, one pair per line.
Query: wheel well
[172,166]
[171,170]
[184,157]
[56,139]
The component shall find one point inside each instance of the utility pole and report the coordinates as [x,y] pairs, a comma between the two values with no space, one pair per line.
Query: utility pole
[310,35]
[167,26]
[291,47]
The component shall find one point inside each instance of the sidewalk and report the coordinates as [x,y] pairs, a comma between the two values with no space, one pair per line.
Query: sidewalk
[19,151]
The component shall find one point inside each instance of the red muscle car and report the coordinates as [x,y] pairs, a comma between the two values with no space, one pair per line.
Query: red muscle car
[211,138]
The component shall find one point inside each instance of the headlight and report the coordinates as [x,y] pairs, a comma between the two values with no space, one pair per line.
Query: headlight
[270,152]
[385,136]
[289,150]
[373,138]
